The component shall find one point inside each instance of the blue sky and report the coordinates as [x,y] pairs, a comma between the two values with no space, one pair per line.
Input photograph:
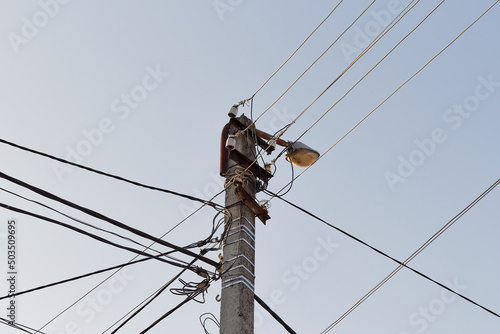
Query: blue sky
[142,90]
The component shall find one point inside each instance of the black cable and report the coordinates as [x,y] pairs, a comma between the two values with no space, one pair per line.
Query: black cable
[155,295]
[107,219]
[166,315]
[397,261]
[192,198]
[123,265]
[274,315]
[78,220]
[18,326]
[98,238]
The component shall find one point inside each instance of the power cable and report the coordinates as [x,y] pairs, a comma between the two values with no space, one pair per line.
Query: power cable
[123,265]
[76,219]
[381,252]
[392,94]
[274,315]
[107,278]
[367,48]
[391,25]
[192,198]
[107,219]
[290,57]
[371,69]
[165,315]
[98,238]
[18,326]
[417,252]
[310,66]
[146,302]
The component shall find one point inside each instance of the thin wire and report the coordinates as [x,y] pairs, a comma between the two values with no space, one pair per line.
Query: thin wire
[412,256]
[192,198]
[310,66]
[17,326]
[104,218]
[110,276]
[378,63]
[367,48]
[82,276]
[76,219]
[286,61]
[166,315]
[145,302]
[96,237]
[392,94]
[381,252]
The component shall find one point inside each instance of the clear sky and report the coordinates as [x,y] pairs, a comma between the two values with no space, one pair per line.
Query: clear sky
[142,90]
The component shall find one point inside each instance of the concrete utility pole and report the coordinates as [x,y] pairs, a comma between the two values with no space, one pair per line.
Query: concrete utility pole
[237,297]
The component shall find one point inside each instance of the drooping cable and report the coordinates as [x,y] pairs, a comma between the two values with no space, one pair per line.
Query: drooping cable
[98,238]
[417,252]
[107,278]
[211,317]
[192,198]
[381,252]
[107,219]
[100,271]
[75,219]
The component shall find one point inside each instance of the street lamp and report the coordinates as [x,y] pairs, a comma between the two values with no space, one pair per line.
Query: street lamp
[301,155]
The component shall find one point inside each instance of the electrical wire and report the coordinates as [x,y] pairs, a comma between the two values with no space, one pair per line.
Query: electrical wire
[371,69]
[123,265]
[417,252]
[293,53]
[104,218]
[384,31]
[391,25]
[76,219]
[211,317]
[192,198]
[107,278]
[18,326]
[392,94]
[165,315]
[146,302]
[274,315]
[98,238]
[310,66]
[383,253]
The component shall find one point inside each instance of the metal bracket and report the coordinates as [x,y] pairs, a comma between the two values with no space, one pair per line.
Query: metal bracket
[259,211]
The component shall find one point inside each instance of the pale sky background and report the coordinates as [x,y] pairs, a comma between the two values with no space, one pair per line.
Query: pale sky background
[67,77]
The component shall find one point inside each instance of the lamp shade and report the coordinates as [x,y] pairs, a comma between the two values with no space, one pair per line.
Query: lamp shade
[301,155]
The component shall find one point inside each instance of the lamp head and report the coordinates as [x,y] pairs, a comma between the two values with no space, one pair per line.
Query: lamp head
[301,155]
